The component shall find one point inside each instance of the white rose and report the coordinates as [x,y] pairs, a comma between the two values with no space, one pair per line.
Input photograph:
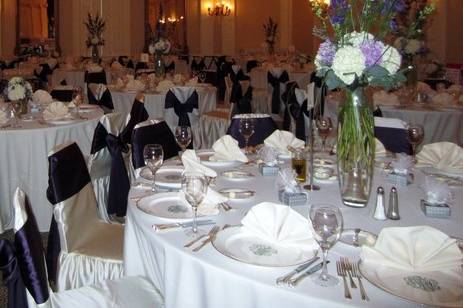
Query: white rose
[348,63]
[412,47]
[16,93]
[357,38]
[391,59]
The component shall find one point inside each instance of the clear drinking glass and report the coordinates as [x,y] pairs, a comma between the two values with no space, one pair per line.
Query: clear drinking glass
[154,156]
[327,225]
[247,130]
[194,186]
[415,137]
[183,137]
[77,99]
[324,126]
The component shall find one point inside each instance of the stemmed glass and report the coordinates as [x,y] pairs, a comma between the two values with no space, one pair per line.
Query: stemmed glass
[415,137]
[324,126]
[247,130]
[15,108]
[183,136]
[194,186]
[154,156]
[327,225]
[77,99]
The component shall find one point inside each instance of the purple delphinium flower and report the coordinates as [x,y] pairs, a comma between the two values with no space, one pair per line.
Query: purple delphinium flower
[372,50]
[338,11]
[395,6]
[326,53]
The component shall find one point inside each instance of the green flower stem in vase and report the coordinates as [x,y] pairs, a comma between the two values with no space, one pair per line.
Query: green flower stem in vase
[159,66]
[95,54]
[355,149]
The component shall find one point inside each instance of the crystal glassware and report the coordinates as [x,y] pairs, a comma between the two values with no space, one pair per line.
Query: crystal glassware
[324,126]
[415,137]
[153,156]
[327,225]
[247,130]
[77,99]
[183,136]
[194,186]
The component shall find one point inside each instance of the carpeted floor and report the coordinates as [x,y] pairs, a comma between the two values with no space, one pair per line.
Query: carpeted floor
[3,291]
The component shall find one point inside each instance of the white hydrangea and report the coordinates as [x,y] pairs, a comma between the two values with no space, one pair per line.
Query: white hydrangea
[16,93]
[391,59]
[357,38]
[18,89]
[413,47]
[348,63]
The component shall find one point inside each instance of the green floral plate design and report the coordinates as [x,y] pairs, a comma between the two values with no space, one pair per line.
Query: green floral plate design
[263,250]
[177,209]
[422,283]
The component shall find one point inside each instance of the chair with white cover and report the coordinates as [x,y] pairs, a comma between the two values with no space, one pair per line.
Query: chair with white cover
[24,268]
[84,249]
[228,90]
[181,109]
[393,135]
[100,95]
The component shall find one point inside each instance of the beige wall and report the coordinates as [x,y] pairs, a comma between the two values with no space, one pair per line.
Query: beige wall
[8,27]
[302,24]
[454,32]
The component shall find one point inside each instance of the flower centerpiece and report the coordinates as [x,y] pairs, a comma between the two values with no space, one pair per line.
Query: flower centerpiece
[270,30]
[159,48]
[19,92]
[95,28]
[353,58]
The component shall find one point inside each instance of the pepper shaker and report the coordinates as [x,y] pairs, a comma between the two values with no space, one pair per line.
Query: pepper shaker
[380,210]
[393,210]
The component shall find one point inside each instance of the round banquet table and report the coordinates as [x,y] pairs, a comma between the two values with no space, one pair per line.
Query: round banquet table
[259,77]
[73,77]
[208,279]
[154,102]
[24,152]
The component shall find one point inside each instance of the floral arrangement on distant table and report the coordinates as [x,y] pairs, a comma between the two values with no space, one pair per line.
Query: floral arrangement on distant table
[95,28]
[19,91]
[271,31]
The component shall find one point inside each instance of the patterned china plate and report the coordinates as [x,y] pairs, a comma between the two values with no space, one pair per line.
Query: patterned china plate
[166,205]
[205,156]
[235,243]
[166,177]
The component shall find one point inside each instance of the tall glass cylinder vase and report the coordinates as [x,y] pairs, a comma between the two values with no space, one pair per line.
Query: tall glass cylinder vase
[95,54]
[159,66]
[412,78]
[355,149]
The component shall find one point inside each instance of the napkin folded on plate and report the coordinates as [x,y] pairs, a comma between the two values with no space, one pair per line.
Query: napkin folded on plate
[192,82]
[280,225]
[94,68]
[380,150]
[97,89]
[443,99]
[384,98]
[227,149]
[210,204]
[413,249]
[281,139]
[55,111]
[42,97]
[135,85]
[192,163]
[116,66]
[3,117]
[178,79]
[445,156]
[164,86]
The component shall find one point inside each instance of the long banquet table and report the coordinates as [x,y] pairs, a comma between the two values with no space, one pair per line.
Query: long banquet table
[208,279]
[24,162]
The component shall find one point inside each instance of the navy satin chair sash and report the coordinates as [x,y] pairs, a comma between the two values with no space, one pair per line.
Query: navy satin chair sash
[138,114]
[320,90]
[105,100]
[99,77]
[130,64]
[250,65]
[63,82]
[223,69]
[141,66]
[44,73]
[264,127]
[12,279]
[377,112]
[182,109]
[62,95]
[159,133]
[244,104]
[275,83]
[394,139]
[170,67]
[198,66]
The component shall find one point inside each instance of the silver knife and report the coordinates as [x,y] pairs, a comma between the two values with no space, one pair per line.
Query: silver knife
[310,271]
[282,280]
[162,227]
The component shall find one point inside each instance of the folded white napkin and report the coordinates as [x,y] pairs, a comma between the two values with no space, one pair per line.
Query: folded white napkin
[192,163]
[164,86]
[52,62]
[424,88]
[3,117]
[135,85]
[281,139]
[42,97]
[55,111]
[178,79]
[236,68]
[227,149]
[443,99]
[445,156]
[94,68]
[279,225]
[413,249]
[380,150]
[384,98]
[210,203]
[192,82]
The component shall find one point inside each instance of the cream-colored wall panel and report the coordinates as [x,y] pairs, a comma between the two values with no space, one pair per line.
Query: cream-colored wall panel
[8,27]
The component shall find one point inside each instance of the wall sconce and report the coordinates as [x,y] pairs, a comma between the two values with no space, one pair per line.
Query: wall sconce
[219,9]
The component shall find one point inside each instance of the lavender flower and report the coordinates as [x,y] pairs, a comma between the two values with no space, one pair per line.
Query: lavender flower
[372,50]
[396,6]
[338,11]
[326,53]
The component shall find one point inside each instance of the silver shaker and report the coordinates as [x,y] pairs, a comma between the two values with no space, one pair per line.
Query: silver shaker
[393,209]
[380,210]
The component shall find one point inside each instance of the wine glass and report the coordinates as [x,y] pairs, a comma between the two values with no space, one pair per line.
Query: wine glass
[154,156]
[247,130]
[202,77]
[77,99]
[194,186]
[415,137]
[183,136]
[15,109]
[327,225]
[324,126]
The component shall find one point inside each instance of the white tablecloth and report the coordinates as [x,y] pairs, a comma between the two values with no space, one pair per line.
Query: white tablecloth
[208,279]
[259,78]
[75,77]
[154,102]
[24,162]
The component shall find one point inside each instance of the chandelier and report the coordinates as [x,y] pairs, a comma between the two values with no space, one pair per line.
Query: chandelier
[220,9]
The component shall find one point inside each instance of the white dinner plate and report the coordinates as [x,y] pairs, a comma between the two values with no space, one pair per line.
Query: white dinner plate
[167,176]
[234,243]
[166,205]
[205,156]
[64,121]
[237,175]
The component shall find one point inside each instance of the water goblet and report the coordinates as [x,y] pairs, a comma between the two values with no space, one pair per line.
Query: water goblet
[153,156]
[194,186]
[415,133]
[183,137]
[246,130]
[327,225]
[324,126]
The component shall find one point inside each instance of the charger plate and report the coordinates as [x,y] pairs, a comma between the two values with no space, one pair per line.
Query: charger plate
[166,176]
[205,156]
[166,205]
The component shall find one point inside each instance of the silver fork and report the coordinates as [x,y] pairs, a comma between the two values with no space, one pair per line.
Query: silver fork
[342,273]
[348,268]
[211,236]
[355,273]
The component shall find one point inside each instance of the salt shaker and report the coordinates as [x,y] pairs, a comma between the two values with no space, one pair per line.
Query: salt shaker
[393,209]
[380,211]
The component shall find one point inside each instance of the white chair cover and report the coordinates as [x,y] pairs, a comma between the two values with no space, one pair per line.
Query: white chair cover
[228,89]
[390,123]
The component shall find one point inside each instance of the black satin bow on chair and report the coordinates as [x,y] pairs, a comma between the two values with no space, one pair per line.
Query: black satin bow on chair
[223,69]
[299,111]
[320,91]
[198,66]
[244,103]
[44,73]
[275,83]
[237,90]
[95,77]
[138,114]
[182,109]
[288,97]
[62,95]
[12,279]
[105,100]
[141,66]
[250,65]
[170,67]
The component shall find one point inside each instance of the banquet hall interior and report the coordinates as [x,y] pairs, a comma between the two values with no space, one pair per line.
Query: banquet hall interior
[231,153]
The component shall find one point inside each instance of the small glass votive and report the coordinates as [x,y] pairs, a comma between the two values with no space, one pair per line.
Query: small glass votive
[323,173]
